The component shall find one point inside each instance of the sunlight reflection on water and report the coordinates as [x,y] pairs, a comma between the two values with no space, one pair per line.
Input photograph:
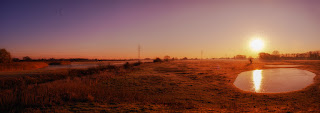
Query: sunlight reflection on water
[257,77]
[274,80]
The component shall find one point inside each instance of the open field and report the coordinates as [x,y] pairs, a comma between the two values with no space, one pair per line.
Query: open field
[190,85]
[16,68]
[40,68]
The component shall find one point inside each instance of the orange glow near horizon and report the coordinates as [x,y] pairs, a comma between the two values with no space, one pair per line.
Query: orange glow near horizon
[113,30]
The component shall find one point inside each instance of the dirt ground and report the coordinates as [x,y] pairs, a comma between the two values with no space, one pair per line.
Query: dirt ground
[191,86]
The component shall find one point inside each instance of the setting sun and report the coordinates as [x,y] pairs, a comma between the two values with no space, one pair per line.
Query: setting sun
[256,44]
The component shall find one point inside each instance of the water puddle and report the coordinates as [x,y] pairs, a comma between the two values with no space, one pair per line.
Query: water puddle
[274,80]
[282,65]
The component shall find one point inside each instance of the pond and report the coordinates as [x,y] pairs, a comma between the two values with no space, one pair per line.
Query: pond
[274,80]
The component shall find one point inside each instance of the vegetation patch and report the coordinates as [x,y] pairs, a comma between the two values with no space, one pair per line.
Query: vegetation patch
[177,86]
[19,66]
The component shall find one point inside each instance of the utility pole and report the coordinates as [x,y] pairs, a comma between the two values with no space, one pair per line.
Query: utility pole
[201,54]
[139,49]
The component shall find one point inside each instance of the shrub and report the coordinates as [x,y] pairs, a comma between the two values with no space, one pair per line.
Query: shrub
[27,58]
[137,63]
[185,58]
[5,56]
[126,65]
[15,59]
[157,60]
[166,58]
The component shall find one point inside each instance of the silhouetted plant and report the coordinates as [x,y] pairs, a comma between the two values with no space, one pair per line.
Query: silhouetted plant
[52,59]
[266,56]
[311,55]
[126,65]
[136,63]
[26,58]
[240,57]
[15,59]
[157,60]
[185,58]
[5,56]
[166,58]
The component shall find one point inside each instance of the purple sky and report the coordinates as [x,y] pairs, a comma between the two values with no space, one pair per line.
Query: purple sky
[114,29]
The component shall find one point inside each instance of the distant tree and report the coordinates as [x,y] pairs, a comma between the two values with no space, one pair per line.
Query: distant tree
[42,59]
[52,59]
[157,60]
[15,59]
[240,57]
[5,56]
[313,55]
[185,58]
[275,52]
[276,55]
[26,58]
[166,58]
[265,56]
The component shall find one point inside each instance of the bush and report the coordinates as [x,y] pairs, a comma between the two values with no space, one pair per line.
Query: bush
[15,59]
[157,60]
[5,56]
[185,58]
[137,63]
[127,65]
[166,58]
[26,58]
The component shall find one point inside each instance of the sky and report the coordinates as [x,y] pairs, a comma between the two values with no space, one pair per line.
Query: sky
[114,28]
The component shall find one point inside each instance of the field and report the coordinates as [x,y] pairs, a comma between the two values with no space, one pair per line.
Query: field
[19,66]
[175,86]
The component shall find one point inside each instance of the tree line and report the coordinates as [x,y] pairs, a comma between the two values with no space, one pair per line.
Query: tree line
[275,55]
[5,57]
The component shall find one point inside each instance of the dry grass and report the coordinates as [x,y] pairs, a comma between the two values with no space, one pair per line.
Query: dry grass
[18,66]
[205,86]
[28,78]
